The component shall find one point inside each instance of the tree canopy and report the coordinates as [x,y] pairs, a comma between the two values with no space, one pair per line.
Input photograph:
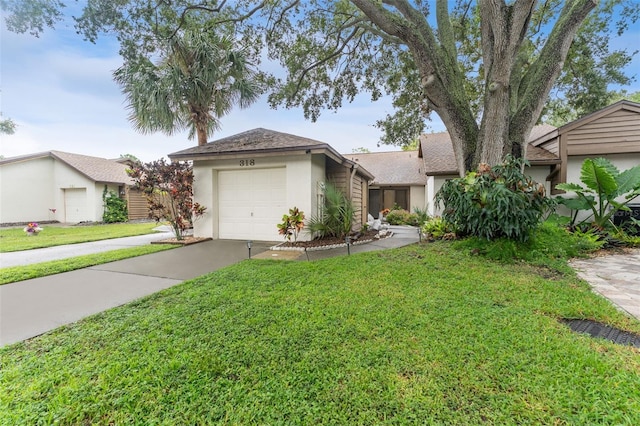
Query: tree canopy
[485,67]
[199,77]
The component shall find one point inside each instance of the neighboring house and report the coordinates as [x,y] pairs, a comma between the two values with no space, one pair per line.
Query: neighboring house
[555,154]
[612,132]
[399,180]
[250,180]
[58,186]
[436,151]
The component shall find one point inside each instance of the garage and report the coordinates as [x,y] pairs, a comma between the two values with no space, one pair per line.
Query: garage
[251,203]
[75,205]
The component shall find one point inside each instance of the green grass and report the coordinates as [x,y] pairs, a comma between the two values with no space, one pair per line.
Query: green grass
[420,335]
[15,239]
[27,272]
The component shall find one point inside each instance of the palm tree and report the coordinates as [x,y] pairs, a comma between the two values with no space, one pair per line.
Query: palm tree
[198,79]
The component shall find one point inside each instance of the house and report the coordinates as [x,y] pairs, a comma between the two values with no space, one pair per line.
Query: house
[436,152]
[60,186]
[399,179]
[555,154]
[612,132]
[250,180]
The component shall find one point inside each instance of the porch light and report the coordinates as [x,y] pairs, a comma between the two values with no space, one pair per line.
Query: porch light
[249,244]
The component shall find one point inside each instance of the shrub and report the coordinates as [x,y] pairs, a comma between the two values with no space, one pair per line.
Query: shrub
[115,208]
[336,218]
[495,202]
[169,192]
[436,228]
[292,224]
[402,217]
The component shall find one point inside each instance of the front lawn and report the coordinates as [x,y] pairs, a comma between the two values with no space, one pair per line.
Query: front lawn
[15,239]
[419,335]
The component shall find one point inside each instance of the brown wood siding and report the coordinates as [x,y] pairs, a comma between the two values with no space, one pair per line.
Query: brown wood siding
[340,177]
[356,199]
[551,146]
[616,133]
[137,205]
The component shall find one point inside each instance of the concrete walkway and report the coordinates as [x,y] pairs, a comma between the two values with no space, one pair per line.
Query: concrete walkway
[616,277]
[33,307]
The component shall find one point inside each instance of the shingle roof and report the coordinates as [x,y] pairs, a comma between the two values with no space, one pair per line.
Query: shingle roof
[252,141]
[262,141]
[392,168]
[95,168]
[439,159]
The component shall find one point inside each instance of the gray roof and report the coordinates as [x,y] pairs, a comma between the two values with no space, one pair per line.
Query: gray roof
[263,142]
[392,168]
[252,141]
[437,151]
[95,168]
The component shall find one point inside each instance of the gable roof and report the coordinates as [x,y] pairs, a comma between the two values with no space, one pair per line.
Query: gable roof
[263,142]
[95,168]
[392,168]
[436,151]
[625,105]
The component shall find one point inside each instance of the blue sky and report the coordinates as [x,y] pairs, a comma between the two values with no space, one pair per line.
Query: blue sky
[59,91]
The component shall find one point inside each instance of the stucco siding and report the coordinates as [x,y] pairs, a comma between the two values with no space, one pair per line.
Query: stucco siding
[417,197]
[27,191]
[301,179]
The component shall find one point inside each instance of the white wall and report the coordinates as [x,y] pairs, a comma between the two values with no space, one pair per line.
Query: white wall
[67,177]
[27,191]
[417,198]
[303,172]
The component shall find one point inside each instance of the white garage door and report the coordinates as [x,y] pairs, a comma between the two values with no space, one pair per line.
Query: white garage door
[75,205]
[251,203]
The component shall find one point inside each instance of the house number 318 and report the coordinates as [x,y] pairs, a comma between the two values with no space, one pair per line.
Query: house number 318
[246,163]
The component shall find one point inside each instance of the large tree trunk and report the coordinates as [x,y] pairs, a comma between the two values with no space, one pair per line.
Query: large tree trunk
[514,92]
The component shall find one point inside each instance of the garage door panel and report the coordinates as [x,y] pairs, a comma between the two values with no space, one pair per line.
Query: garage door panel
[251,203]
[75,204]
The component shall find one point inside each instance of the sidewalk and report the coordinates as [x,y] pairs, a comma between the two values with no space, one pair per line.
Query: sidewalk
[28,257]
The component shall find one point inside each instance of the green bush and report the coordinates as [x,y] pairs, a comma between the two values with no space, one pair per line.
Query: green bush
[115,208]
[336,218]
[402,217]
[436,228]
[495,202]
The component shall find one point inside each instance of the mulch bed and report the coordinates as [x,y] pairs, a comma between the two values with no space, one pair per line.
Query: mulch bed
[185,241]
[331,242]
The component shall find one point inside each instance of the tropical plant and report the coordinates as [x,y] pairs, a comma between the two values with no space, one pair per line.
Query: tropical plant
[199,79]
[115,208]
[436,228]
[169,192]
[604,192]
[292,224]
[336,216]
[495,202]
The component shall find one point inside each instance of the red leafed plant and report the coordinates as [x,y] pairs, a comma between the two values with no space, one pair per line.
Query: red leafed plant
[168,188]
[291,224]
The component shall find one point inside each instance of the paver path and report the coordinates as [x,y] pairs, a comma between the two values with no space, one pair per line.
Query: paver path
[616,277]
